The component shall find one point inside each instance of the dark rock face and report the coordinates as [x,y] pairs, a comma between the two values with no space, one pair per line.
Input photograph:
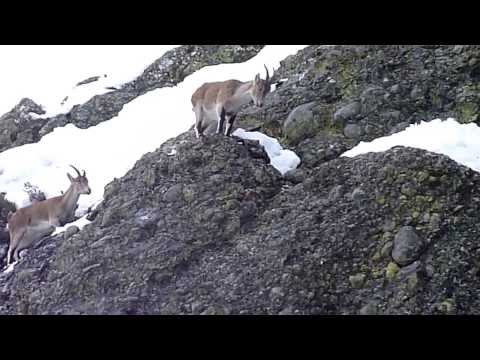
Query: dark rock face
[213,230]
[202,196]
[18,128]
[360,93]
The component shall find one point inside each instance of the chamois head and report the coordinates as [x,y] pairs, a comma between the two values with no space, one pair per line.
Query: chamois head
[260,89]
[80,183]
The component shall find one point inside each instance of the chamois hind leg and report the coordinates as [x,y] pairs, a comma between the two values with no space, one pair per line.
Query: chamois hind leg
[31,235]
[9,252]
[22,243]
[198,121]
[14,241]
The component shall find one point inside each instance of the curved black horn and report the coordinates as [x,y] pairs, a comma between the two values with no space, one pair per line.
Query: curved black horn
[84,173]
[268,75]
[74,168]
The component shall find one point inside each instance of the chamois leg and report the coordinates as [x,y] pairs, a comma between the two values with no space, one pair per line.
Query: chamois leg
[23,243]
[198,122]
[14,242]
[31,235]
[229,126]
[9,255]
[221,121]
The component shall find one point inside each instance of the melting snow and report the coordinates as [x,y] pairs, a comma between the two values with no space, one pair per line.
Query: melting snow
[458,141]
[48,73]
[281,159]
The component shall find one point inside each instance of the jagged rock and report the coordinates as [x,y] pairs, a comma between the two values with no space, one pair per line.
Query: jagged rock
[18,127]
[178,63]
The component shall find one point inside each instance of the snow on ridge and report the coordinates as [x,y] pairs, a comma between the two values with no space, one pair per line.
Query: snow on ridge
[458,141]
[55,69]
[80,223]
[110,149]
[281,159]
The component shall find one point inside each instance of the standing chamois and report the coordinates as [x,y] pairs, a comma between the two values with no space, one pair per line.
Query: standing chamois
[221,101]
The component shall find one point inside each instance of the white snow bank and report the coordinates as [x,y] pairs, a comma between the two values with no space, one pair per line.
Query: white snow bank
[111,148]
[48,73]
[458,141]
[80,223]
[281,159]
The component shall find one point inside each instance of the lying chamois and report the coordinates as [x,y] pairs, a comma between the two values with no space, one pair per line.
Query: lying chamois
[39,219]
[222,100]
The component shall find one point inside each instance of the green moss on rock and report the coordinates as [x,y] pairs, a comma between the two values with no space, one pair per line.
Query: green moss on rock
[467,112]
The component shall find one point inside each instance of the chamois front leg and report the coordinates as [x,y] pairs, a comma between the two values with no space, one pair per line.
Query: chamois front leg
[229,126]
[221,121]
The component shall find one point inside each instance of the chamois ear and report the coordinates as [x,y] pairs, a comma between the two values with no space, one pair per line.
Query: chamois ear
[70,178]
[257,78]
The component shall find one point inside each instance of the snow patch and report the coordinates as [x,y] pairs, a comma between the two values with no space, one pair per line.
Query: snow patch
[281,159]
[47,73]
[447,137]
[80,223]
[10,267]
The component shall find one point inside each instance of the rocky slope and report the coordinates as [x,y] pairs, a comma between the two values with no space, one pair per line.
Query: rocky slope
[213,229]
[18,127]
[337,96]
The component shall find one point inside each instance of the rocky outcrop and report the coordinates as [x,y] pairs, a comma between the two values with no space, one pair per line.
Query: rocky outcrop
[341,95]
[17,128]
[213,229]
[177,64]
